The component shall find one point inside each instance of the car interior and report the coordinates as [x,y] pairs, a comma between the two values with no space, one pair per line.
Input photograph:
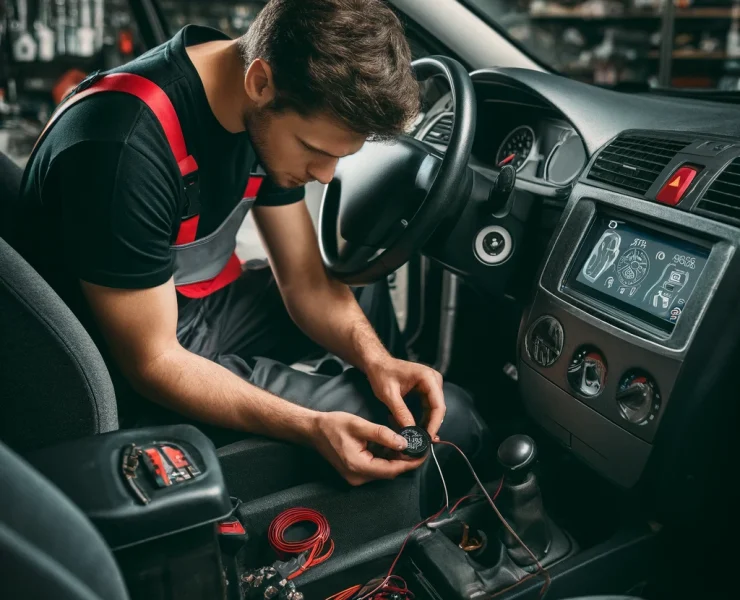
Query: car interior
[566,253]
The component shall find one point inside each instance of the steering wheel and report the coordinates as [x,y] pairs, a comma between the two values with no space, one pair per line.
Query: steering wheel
[386,200]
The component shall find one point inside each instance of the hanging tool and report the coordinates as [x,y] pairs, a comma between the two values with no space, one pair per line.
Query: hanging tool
[44,32]
[71,24]
[99,23]
[61,24]
[24,48]
[85,32]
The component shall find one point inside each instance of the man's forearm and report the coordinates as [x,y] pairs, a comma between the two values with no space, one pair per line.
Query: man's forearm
[330,315]
[206,391]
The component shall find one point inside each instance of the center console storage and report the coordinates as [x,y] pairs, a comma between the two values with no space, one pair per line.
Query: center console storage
[155,495]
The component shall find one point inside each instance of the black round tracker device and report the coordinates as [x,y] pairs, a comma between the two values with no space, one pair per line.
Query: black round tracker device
[418,440]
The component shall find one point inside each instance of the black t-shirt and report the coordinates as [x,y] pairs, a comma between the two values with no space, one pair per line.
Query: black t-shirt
[103,197]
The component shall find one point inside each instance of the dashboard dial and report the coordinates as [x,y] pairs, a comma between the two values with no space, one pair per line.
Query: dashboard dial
[516,148]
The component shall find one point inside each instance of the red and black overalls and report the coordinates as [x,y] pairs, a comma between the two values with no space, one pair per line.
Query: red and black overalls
[200,266]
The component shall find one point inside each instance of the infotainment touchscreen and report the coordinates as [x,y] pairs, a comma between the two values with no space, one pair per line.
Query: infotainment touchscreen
[643,272]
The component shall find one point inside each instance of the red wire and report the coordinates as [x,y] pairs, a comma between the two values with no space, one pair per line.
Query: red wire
[540,569]
[390,575]
[470,496]
[315,544]
[346,594]
[383,584]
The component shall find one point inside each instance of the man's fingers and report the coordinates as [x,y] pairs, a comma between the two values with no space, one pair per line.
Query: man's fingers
[372,432]
[381,468]
[398,408]
[432,388]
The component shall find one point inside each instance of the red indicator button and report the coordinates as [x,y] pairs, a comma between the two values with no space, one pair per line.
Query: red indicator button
[678,183]
[231,528]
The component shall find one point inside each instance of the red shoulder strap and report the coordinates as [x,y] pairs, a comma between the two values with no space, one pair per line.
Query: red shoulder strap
[151,95]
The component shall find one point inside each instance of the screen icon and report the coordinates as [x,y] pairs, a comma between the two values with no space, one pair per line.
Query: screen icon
[662,299]
[632,291]
[609,282]
[675,313]
[622,290]
[612,224]
[602,256]
[660,255]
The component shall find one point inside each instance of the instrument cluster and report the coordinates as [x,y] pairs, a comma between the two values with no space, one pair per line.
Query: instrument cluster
[548,150]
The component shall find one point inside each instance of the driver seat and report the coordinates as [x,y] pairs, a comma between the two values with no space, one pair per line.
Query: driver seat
[55,385]
[50,549]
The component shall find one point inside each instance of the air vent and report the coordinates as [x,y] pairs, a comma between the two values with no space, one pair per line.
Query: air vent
[723,196]
[440,132]
[634,162]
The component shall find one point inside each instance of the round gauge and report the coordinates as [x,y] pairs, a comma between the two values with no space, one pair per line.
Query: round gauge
[566,160]
[516,148]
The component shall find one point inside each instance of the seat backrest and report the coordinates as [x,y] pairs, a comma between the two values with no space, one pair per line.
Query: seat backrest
[10,183]
[48,548]
[54,384]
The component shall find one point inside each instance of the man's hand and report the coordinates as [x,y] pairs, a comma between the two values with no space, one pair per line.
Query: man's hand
[392,379]
[342,439]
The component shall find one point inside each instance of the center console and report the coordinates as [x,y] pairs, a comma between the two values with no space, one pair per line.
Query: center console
[633,307]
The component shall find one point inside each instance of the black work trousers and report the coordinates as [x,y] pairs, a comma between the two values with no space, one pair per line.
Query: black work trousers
[246,328]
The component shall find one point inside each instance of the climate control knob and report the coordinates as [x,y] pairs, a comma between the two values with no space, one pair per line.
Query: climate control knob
[544,341]
[587,371]
[638,397]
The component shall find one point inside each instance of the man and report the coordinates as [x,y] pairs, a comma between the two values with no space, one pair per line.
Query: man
[117,226]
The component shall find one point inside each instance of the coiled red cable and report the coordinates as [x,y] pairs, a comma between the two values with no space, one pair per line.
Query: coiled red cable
[319,545]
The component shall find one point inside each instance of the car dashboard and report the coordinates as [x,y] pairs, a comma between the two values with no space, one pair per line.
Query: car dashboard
[630,332]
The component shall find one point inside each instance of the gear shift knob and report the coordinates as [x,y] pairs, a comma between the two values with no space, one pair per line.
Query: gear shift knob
[516,455]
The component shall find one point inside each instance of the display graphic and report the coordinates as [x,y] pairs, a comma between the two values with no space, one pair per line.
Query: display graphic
[633,267]
[603,255]
[648,273]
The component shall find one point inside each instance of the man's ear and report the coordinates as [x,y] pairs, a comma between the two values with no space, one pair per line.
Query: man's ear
[258,83]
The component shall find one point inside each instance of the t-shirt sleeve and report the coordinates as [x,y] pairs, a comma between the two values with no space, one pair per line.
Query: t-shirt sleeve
[117,214]
[271,194]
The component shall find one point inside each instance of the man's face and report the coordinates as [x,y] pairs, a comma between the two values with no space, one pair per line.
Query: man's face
[296,150]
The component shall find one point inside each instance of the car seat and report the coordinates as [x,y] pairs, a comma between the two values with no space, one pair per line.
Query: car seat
[54,384]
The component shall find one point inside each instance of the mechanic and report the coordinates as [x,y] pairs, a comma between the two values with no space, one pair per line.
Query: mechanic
[104,202]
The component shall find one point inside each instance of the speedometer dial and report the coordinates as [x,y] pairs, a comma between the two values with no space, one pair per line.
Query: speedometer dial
[516,148]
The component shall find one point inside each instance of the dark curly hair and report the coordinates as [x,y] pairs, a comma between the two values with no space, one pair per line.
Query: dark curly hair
[347,58]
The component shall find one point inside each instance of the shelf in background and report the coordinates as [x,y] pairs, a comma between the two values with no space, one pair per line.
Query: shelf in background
[696,55]
[562,14]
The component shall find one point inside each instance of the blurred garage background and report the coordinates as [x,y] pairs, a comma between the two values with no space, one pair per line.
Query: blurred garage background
[46,44]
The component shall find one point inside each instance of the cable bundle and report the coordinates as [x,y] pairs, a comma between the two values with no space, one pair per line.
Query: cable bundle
[314,545]
[386,588]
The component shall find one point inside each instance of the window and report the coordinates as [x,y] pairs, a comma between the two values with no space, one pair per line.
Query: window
[692,44]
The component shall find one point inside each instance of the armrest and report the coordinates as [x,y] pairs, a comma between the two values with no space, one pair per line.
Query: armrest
[90,472]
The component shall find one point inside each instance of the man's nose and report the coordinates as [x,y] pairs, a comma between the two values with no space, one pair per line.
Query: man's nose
[323,171]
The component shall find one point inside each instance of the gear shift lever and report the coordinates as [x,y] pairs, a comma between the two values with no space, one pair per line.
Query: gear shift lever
[516,455]
[521,500]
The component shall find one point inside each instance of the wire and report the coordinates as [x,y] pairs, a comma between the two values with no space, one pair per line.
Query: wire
[383,586]
[471,496]
[315,544]
[346,594]
[398,556]
[540,569]
[442,477]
